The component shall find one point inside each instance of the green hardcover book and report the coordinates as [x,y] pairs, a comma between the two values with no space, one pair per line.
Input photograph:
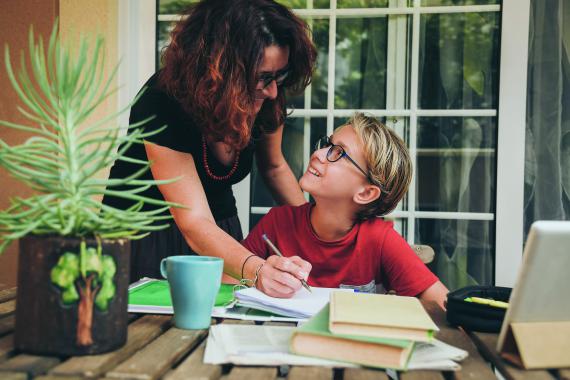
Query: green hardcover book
[315,339]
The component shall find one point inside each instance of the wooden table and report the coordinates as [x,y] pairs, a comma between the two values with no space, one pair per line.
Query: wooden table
[157,350]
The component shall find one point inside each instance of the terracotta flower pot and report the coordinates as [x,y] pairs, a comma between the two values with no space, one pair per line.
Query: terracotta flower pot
[72,298]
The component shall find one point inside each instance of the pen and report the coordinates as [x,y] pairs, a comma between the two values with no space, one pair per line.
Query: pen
[278,253]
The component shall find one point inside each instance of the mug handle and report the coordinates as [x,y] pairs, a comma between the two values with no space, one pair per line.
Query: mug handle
[163,268]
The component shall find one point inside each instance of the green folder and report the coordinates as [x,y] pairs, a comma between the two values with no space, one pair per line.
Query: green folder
[157,293]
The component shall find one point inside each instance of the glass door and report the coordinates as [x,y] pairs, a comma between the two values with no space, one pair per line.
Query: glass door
[430,70]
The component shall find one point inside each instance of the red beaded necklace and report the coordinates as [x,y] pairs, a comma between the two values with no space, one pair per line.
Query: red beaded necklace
[207,167]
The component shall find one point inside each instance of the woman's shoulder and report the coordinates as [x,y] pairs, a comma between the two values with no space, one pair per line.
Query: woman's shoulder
[157,109]
[152,96]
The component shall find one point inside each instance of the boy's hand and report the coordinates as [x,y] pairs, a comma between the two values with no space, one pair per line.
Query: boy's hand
[280,276]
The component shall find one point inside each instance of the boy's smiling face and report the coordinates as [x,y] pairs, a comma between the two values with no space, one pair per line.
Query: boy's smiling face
[336,180]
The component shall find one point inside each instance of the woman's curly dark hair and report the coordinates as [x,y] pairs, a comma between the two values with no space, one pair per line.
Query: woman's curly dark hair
[210,64]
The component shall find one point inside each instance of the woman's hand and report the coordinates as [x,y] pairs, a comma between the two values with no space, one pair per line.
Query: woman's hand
[280,276]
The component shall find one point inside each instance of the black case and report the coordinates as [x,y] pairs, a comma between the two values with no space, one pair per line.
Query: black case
[474,316]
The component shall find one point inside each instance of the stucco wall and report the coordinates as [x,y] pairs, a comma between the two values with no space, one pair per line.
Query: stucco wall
[75,17]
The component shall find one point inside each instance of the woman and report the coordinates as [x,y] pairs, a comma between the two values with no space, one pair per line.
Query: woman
[221,94]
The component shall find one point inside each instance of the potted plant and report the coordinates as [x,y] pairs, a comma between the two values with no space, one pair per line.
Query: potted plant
[74,251]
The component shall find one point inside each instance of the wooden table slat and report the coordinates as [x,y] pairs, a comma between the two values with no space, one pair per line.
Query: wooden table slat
[251,373]
[7,294]
[472,367]
[141,332]
[158,357]
[421,375]
[52,377]
[364,374]
[33,365]
[487,343]
[193,367]
[236,322]
[14,376]
[6,347]
[7,325]
[7,308]
[313,373]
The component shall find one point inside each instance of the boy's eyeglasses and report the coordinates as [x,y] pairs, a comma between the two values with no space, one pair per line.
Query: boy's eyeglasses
[265,79]
[336,152]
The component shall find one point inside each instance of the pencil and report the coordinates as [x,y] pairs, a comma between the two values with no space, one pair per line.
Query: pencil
[278,253]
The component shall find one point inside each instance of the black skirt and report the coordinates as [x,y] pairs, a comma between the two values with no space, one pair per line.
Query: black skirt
[147,253]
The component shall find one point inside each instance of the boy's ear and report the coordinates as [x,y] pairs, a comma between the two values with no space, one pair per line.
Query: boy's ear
[368,193]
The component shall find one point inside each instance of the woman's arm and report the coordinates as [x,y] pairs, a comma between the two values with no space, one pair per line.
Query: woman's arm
[197,225]
[275,171]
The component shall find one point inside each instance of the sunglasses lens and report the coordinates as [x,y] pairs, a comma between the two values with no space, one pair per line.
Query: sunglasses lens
[281,78]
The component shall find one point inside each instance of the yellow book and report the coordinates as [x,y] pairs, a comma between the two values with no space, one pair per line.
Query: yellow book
[380,316]
[314,339]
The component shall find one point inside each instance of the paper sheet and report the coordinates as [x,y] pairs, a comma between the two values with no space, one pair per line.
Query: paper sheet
[269,345]
[303,304]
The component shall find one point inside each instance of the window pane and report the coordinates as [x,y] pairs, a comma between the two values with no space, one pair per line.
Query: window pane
[253,219]
[456,164]
[459,61]
[464,252]
[318,91]
[163,38]
[362,3]
[436,3]
[172,7]
[360,75]
[305,4]
[293,147]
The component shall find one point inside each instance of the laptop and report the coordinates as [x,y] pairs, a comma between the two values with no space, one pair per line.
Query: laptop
[542,289]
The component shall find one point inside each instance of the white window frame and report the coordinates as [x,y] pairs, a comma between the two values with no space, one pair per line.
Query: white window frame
[511,141]
[137,35]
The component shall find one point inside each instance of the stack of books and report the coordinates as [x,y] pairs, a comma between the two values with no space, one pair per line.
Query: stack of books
[373,330]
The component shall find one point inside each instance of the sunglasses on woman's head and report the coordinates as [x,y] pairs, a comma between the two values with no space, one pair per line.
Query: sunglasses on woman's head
[265,79]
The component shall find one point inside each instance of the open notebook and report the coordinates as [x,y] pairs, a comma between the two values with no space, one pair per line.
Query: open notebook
[153,296]
[303,304]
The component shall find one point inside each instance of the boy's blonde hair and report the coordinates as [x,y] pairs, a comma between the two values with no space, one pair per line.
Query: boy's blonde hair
[388,161]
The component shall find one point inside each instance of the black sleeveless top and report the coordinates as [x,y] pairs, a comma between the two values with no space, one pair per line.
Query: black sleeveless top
[181,134]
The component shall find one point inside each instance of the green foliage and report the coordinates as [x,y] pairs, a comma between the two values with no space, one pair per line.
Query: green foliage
[73,270]
[64,275]
[61,161]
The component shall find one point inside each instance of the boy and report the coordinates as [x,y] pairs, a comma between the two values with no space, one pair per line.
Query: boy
[362,171]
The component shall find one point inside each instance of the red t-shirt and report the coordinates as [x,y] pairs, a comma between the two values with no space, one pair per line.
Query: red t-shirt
[371,253]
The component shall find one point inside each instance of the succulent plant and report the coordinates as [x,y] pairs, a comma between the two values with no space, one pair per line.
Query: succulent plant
[68,149]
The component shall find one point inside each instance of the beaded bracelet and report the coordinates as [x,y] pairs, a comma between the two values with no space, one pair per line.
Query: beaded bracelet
[245,261]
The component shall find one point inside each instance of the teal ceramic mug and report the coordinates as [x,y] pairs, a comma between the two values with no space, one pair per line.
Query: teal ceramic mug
[194,284]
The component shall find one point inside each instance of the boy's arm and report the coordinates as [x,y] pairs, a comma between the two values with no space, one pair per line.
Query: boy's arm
[404,272]
[436,292]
